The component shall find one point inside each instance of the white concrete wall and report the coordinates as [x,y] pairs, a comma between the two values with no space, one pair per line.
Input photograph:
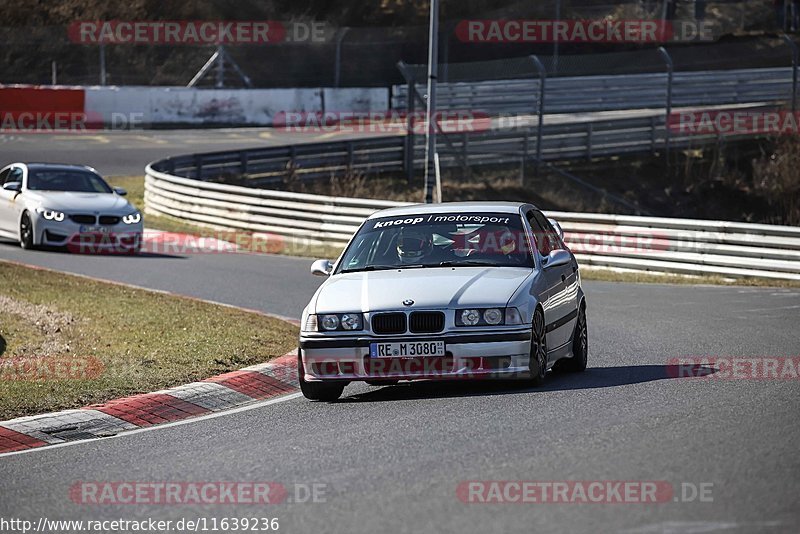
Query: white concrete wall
[145,106]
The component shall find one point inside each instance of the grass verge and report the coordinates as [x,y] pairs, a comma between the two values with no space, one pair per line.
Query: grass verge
[134,340]
[608,275]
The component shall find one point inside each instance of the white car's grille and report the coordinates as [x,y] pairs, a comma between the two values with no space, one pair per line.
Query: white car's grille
[426,322]
[83,219]
[389,323]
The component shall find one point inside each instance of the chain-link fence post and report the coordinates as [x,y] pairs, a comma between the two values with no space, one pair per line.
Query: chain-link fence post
[542,81]
[670,67]
[408,156]
[337,62]
[793,46]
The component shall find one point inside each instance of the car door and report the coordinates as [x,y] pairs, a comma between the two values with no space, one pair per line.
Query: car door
[561,306]
[8,200]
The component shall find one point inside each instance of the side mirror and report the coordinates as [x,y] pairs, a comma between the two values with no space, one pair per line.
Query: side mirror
[120,191]
[556,258]
[13,186]
[558,228]
[321,268]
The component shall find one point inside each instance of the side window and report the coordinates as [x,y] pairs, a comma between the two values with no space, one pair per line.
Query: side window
[4,176]
[15,175]
[549,232]
[539,234]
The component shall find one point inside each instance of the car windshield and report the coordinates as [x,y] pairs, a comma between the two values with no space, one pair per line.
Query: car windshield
[66,180]
[438,240]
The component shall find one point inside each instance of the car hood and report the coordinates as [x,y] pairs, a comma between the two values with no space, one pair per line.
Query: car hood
[74,202]
[428,288]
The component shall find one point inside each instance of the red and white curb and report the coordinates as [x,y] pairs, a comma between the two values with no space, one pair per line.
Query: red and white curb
[218,393]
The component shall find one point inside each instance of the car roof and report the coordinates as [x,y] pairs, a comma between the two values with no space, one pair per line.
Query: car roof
[451,207]
[59,167]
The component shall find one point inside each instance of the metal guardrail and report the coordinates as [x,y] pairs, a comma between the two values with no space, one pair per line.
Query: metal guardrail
[603,93]
[682,246]
[643,131]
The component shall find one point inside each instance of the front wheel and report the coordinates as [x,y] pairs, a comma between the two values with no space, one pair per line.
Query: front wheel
[538,358]
[26,232]
[580,347]
[318,391]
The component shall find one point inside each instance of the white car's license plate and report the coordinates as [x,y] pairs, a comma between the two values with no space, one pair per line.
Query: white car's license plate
[406,349]
[94,229]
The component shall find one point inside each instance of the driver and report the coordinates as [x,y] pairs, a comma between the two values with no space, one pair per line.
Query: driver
[414,245]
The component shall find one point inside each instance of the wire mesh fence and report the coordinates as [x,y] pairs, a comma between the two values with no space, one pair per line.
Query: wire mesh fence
[366,55]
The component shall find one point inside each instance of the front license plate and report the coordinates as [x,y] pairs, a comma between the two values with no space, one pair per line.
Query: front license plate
[94,229]
[406,349]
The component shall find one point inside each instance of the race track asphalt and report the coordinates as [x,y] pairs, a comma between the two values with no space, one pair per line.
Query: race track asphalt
[391,458]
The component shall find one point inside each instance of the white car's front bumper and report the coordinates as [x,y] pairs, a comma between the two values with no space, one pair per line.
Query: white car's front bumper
[484,355]
[118,237]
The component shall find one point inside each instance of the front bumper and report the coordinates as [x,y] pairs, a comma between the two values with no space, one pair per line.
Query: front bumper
[485,355]
[117,238]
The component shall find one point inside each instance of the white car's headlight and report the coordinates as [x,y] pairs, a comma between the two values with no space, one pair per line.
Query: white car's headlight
[133,218]
[493,316]
[488,317]
[468,317]
[51,215]
[351,321]
[331,322]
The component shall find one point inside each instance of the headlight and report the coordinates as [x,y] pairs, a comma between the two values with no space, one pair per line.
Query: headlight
[51,215]
[332,322]
[133,218]
[469,317]
[351,321]
[493,316]
[488,317]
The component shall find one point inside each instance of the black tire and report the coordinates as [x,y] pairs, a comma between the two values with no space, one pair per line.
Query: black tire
[580,347]
[538,361]
[318,391]
[26,232]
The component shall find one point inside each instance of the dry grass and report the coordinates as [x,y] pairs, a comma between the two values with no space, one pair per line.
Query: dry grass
[609,275]
[120,340]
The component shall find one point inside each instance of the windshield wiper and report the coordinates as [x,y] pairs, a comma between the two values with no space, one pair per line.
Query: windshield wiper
[382,268]
[468,263]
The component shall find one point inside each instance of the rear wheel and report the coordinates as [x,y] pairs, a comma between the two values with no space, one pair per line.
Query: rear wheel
[580,347]
[318,391]
[26,231]
[538,359]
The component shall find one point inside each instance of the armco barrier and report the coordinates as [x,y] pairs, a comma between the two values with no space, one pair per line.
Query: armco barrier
[583,137]
[618,92]
[682,246]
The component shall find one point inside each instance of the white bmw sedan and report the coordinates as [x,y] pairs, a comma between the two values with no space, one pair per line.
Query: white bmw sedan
[471,290]
[45,204]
